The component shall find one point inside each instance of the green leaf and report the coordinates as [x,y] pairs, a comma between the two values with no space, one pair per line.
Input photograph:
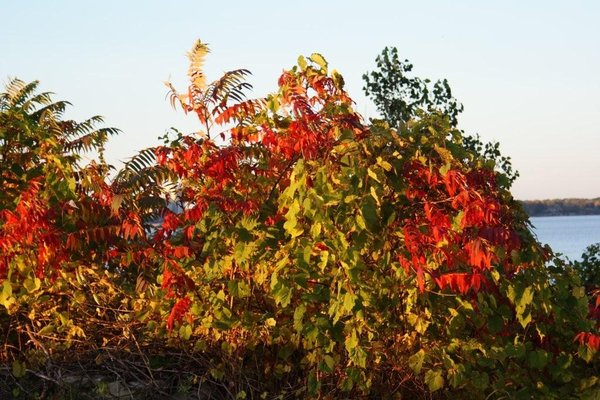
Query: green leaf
[315,230]
[359,357]
[324,258]
[19,369]
[444,154]
[526,297]
[116,202]
[578,292]
[46,330]
[524,320]
[360,221]
[516,350]
[521,298]
[495,324]
[238,289]
[419,323]
[373,175]
[374,195]
[434,380]
[480,380]
[327,364]
[185,332]
[290,223]
[369,213]
[384,164]
[6,298]
[415,362]
[243,251]
[351,341]
[282,295]
[537,359]
[298,316]
[589,383]
[31,285]
[586,353]
[349,301]
[445,168]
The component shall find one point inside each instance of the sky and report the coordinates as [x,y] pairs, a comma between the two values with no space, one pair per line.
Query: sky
[527,73]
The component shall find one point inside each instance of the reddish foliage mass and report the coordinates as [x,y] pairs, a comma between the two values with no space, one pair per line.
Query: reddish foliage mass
[28,230]
[590,339]
[178,312]
[467,249]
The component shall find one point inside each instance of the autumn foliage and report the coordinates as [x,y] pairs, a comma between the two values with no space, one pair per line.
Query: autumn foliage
[358,257]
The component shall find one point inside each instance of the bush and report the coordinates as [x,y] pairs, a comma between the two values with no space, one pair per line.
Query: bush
[354,259]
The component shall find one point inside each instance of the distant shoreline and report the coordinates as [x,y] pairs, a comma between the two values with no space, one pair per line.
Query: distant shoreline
[561,207]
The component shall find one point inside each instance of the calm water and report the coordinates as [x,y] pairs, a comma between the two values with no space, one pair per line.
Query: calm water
[568,235]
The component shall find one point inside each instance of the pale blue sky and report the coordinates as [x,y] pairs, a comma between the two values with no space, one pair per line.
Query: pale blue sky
[528,73]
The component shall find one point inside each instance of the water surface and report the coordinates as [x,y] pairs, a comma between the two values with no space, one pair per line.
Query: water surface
[569,235]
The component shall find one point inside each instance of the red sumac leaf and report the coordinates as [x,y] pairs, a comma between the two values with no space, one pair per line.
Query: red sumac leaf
[178,312]
[590,339]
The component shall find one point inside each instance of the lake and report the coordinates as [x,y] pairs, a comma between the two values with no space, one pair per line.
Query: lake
[569,235]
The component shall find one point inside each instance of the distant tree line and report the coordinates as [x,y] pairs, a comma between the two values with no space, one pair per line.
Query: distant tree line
[540,208]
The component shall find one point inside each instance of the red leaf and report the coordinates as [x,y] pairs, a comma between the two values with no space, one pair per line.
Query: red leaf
[321,246]
[178,312]
[181,251]
[592,340]
[479,256]
[420,279]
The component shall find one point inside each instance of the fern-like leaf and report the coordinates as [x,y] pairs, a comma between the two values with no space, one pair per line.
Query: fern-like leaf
[239,112]
[231,85]
[195,71]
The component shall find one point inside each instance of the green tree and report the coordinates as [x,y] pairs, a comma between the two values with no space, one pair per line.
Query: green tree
[400,97]
[36,142]
[589,267]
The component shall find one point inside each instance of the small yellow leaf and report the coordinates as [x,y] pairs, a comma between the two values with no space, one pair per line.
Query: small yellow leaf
[374,195]
[372,174]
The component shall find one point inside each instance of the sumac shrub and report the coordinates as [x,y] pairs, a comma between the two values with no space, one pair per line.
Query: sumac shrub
[357,258]
[359,253]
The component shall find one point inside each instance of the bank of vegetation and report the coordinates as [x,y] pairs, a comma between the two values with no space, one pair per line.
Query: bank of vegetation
[557,207]
[311,254]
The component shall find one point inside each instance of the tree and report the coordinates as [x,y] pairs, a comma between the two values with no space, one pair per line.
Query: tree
[589,267]
[400,97]
[35,143]
[60,225]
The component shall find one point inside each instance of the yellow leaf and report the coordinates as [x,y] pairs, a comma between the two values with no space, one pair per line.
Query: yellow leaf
[319,60]
[373,174]
[31,285]
[374,195]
